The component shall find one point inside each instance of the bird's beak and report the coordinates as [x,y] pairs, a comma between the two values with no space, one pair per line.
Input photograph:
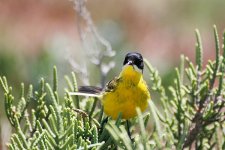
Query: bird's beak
[130,62]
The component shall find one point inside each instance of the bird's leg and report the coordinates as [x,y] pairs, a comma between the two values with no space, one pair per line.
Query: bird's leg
[128,129]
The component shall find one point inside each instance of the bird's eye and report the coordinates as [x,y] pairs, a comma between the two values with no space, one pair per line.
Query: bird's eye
[139,63]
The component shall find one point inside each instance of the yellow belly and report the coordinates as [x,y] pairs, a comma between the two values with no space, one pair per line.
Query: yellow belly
[125,99]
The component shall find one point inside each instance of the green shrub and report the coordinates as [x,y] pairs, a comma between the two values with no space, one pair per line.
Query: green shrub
[192,118]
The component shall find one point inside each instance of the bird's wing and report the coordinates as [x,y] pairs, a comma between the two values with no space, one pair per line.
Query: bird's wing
[96,91]
[112,85]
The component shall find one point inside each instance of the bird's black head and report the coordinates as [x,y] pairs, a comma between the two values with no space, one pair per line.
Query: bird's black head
[134,58]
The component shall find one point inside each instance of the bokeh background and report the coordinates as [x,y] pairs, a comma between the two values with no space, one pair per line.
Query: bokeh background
[36,35]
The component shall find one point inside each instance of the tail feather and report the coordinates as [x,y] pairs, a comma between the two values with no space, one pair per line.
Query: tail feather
[88,91]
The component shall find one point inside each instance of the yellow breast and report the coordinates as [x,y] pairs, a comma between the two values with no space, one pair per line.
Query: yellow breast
[130,93]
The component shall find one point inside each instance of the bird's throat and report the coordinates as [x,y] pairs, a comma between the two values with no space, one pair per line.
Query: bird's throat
[129,74]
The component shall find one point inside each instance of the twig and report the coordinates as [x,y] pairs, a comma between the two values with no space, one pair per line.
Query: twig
[92,42]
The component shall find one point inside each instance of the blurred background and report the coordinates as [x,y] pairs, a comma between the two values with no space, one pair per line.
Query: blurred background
[36,35]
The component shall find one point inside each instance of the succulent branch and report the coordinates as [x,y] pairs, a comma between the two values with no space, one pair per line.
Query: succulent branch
[192,117]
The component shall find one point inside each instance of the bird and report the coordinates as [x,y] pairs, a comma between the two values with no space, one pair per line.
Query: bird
[124,93]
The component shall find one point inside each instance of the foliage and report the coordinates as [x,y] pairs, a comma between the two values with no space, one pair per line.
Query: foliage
[193,117]
[48,125]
